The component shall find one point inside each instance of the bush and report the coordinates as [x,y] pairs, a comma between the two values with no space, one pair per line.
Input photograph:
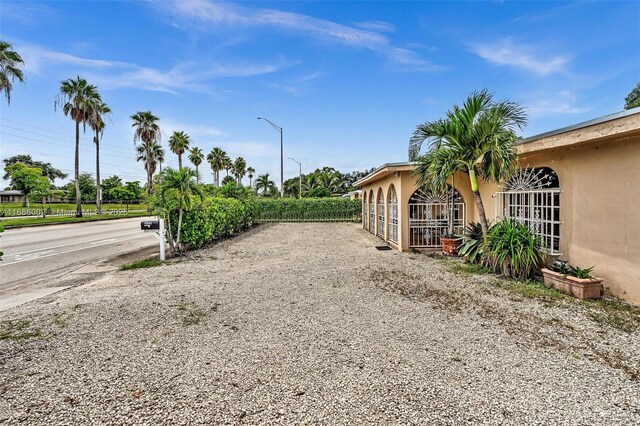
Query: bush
[308,209]
[513,250]
[213,219]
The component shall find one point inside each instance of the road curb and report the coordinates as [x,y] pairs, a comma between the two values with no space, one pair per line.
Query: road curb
[31,225]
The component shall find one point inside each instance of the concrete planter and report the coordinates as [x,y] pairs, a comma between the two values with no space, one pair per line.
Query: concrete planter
[449,246]
[578,287]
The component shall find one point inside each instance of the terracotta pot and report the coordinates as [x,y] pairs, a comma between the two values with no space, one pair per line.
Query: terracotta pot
[449,246]
[578,287]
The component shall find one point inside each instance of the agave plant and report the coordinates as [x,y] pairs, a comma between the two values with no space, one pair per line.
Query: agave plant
[472,247]
[513,250]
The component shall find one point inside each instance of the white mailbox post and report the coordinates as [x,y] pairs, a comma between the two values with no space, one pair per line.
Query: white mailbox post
[156,226]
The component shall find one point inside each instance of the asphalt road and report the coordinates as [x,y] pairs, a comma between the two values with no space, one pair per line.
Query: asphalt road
[36,258]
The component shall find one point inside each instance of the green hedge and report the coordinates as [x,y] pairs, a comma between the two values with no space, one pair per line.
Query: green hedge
[308,210]
[213,219]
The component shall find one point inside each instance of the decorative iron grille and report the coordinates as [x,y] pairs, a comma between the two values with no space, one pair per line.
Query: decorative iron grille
[429,217]
[380,214]
[372,214]
[532,197]
[365,212]
[393,215]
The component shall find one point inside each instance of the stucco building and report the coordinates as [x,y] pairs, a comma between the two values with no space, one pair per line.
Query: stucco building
[578,188]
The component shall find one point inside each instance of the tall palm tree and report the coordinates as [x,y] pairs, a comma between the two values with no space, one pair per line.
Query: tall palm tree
[227,164]
[196,156]
[178,144]
[97,124]
[152,154]
[78,100]
[10,63]
[239,169]
[179,185]
[217,159]
[330,181]
[148,132]
[250,172]
[264,184]
[477,138]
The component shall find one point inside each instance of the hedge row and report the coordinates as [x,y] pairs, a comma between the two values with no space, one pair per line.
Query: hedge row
[215,218]
[308,209]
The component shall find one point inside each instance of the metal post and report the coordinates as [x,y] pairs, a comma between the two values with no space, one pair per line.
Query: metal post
[300,188]
[162,240]
[281,163]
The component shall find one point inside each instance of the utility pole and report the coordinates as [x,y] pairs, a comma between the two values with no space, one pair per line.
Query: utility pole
[300,176]
[281,131]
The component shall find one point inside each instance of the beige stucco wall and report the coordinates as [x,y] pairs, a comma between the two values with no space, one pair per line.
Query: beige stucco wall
[599,205]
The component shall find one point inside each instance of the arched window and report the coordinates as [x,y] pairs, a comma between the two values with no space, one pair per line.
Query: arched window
[532,196]
[381,226]
[365,213]
[372,213]
[393,215]
[429,217]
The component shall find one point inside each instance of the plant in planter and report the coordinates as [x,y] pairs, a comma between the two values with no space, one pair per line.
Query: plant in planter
[573,280]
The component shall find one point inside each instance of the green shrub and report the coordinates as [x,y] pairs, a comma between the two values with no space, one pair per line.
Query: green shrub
[564,268]
[308,209]
[215,218]
[513,250]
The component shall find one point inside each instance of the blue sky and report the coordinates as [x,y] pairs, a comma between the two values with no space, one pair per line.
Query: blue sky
[348,81]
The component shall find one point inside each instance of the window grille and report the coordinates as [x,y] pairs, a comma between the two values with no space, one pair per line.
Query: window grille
[365,212]
[372,213]
[532,197]
[428,217]
[380,214]
[393,215]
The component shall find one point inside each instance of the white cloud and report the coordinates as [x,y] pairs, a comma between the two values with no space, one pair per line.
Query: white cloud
[374,25]
[560,102]
[211,14]
[195,131]
[506,52]
[111,74]
[27,13]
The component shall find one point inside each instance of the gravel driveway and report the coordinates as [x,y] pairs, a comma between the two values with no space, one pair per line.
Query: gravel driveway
[308,323]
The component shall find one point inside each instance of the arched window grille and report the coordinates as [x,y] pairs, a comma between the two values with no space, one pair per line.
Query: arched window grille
[429,217]
[381,226]
[365,212]
[532,196]
[393,215]
[372,213]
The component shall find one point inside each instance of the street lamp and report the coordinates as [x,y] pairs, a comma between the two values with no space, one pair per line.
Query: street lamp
[279,129]
[300,165]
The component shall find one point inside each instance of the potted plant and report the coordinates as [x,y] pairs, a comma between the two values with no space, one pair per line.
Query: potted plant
[573,280]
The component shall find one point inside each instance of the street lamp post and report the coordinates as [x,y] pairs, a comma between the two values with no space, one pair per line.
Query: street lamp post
[280,130]
[300,175]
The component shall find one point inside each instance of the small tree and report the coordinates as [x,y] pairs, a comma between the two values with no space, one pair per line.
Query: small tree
[25,179]
[41,191]
[179,186]
[633,98]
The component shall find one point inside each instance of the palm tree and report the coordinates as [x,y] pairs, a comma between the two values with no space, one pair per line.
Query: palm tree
[178,144]
[239,169]
[227,164]
[97,123]
[78,99]
[265,184]
[10,63]
[250,172]
[180,186]
[147,131]
[310,182]
[152,154]
[217,159]
[330,181]
[478,139]
[196,156]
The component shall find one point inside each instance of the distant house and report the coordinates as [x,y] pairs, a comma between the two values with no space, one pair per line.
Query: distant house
[578,189]
[354,195]
[11,196]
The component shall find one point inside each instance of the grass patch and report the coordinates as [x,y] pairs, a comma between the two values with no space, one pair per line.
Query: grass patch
[191,314]
[51,220]
[18,330]
[609,311]
[140,264]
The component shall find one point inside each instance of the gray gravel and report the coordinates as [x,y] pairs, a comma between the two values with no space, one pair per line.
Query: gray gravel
[308,323]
